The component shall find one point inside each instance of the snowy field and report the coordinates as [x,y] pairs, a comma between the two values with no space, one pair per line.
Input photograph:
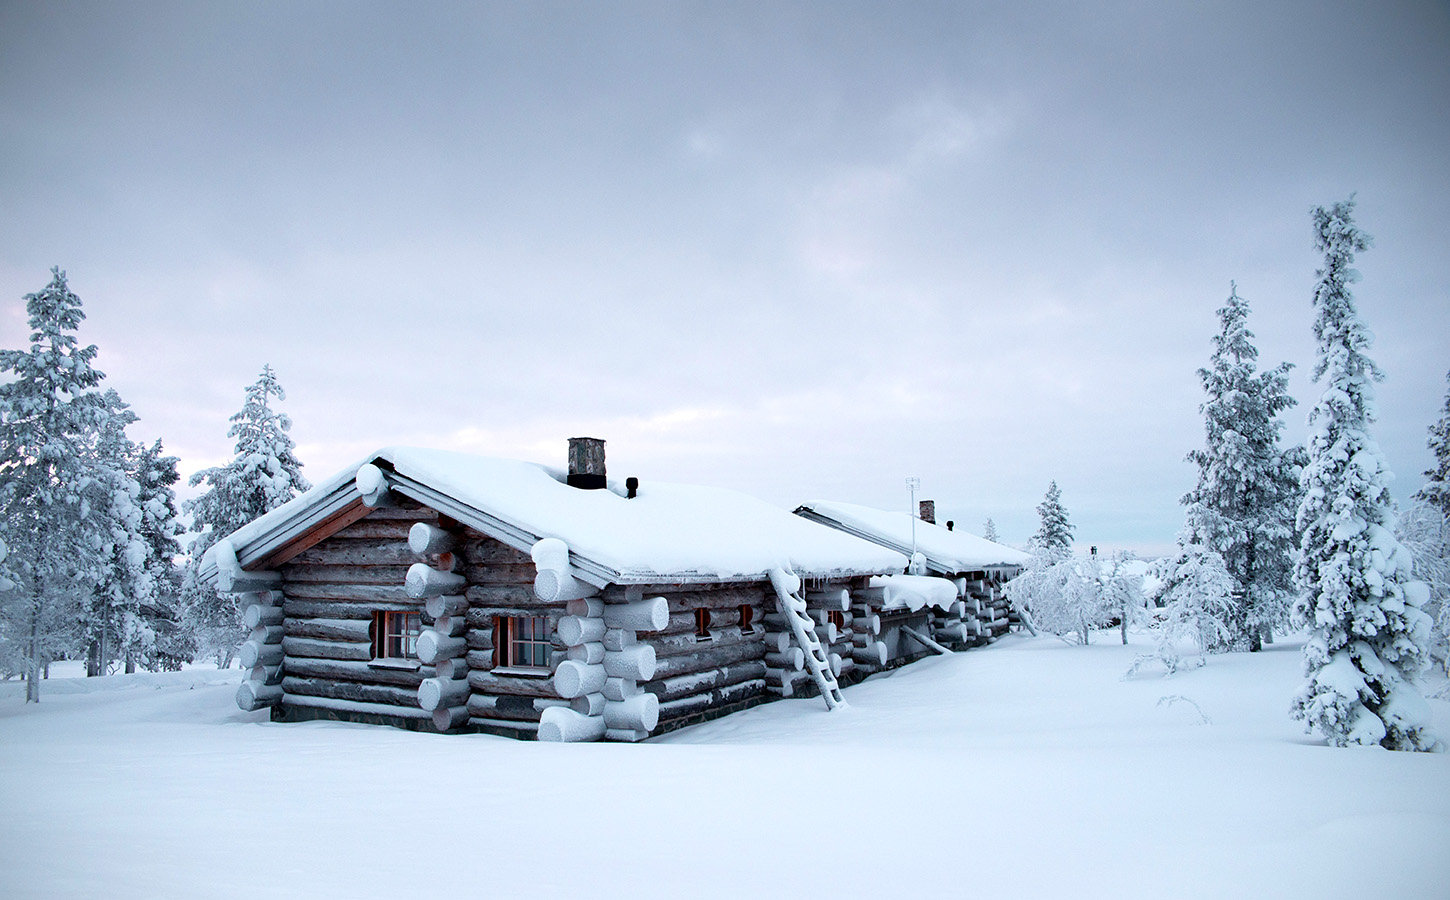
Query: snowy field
[1027,769]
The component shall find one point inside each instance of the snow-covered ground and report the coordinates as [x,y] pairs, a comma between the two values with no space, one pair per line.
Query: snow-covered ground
[1027,769]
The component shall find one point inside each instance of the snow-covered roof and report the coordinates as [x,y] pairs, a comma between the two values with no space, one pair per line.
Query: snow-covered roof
[947,552]
[668,532]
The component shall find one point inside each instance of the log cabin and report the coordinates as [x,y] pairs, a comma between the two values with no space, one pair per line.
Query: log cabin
[975,614]
[457,593]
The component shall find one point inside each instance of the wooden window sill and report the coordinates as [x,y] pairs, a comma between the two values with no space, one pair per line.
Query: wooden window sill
[385,663]
[522,671]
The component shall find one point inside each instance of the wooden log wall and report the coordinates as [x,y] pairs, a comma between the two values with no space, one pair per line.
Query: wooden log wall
[501,584]
[694,675]
[788,677]
[435,581]
[262,653]
[331,594]
[988,613]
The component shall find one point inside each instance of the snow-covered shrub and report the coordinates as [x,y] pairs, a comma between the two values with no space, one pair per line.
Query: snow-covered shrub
[1425,531]
[1063,596]
[1198,601]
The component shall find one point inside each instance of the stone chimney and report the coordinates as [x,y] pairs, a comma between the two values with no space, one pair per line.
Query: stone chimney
[586,463]
[928,511]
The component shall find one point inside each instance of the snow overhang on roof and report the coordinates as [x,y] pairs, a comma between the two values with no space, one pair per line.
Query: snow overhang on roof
[667,533]
[946,552]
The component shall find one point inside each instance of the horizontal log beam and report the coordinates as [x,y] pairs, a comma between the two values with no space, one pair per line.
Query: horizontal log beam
[320,649]
[703,682]
[359,629]
[355,553]
[381,596]
[685,664]
[344,575]
[361,672]
[255,695]
[350,690]
[351,706]
[494,683]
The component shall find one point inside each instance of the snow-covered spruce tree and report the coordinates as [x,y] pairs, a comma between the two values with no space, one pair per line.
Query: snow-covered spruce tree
[989,530]
[1437,480]
[112,619]
[1053,539]
[1248,489]
[264,474]
[59,495]
[161,643]
[1425,530]
[133,613]
[1369,636]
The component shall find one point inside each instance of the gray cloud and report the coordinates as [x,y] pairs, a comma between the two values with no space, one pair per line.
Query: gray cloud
[803,249]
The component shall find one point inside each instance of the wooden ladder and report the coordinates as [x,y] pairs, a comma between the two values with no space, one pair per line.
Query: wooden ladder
[790,603]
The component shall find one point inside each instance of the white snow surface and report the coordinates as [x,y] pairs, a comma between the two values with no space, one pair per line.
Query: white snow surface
[668,529]
[946,551]
[1026,769]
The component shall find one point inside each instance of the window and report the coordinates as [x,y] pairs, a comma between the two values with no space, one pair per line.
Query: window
[747,614]
[395,634]
[525,642]
[702,624]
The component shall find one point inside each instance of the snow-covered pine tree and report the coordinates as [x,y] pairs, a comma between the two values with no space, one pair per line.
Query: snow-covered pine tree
[1054,536]
[1369,636]
[1248,489]
[989,530]
[56,494]
[1437,480]
[264,474]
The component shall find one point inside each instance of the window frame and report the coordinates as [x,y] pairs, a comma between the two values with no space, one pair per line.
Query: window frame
[747,618]
[391,632]
[534,643]
[702,624]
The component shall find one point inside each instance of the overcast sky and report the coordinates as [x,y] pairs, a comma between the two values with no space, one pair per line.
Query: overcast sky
[801,249]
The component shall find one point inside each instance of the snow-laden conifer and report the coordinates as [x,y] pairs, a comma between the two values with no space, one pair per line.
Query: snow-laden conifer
[1247,493]
[989,530]
[113,617]
[161,642]
[1425,530]
[65,502]
[1368,635]
[1437,480]
[1054,535]
[264,474]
